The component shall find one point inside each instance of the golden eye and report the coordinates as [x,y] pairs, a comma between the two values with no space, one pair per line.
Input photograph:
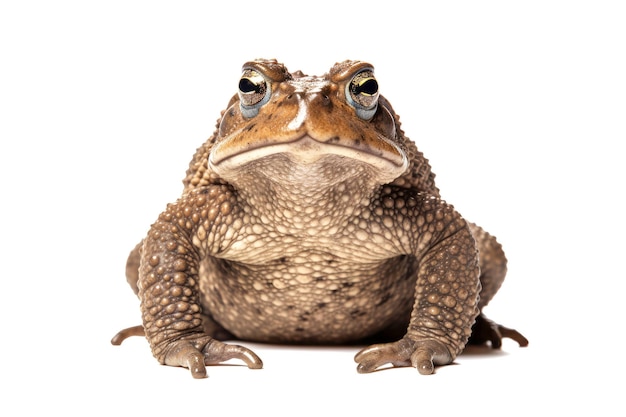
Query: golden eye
[254,91]
[362,93]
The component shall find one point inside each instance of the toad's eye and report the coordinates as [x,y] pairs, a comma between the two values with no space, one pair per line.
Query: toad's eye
[362,94]
[254,91]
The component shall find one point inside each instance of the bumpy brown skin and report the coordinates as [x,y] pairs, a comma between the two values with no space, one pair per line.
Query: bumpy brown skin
[309,217]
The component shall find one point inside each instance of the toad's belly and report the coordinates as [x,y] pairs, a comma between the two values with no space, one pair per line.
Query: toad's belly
[335,308]
[314,321]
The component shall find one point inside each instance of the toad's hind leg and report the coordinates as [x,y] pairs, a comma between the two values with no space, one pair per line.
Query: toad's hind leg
[493,268]
[132,277]
[132,267]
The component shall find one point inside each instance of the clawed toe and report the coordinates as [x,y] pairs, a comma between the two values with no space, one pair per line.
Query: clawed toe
[513,334]
[126,333]
[218,352]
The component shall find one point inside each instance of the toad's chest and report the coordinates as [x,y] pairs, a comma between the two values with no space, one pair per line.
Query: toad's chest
[316,298]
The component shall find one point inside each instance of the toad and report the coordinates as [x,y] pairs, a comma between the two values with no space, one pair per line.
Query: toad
[310,218]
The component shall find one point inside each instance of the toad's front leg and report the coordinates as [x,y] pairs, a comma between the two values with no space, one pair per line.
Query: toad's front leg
[446,295]
[169,290]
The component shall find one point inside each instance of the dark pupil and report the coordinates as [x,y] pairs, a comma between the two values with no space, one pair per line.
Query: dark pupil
[369,87]
[247,86]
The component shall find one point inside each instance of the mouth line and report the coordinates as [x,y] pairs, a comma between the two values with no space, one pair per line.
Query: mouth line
[308,150]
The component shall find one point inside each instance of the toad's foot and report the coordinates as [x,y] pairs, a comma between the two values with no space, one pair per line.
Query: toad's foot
[421,354]
[485,330]
[197,352]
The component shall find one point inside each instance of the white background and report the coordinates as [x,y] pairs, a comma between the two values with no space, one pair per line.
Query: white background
[520,107]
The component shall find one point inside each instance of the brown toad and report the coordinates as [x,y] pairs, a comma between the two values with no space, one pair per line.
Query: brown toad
[308,217]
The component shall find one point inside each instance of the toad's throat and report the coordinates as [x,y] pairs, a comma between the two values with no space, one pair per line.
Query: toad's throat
[385,157]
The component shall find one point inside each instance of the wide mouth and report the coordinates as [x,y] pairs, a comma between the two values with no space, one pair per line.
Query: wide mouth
[384,157]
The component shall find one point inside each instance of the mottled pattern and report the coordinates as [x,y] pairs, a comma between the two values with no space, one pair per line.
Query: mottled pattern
[309,217]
